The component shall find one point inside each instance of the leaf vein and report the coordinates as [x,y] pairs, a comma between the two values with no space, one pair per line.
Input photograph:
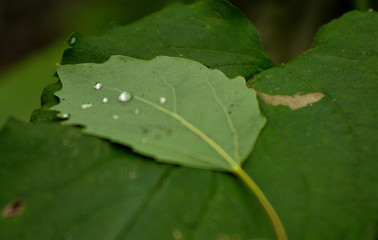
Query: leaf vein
[173,92]
[128,225]
[233,164]
[229,122]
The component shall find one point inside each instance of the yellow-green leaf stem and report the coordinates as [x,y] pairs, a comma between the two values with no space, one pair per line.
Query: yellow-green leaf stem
[273,216]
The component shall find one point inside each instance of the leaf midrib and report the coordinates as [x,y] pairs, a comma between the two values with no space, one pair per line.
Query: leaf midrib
[233,164]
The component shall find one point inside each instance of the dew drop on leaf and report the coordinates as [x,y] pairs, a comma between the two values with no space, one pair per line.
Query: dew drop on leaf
[115,116]
[86,106]
[66,115]
[97,86]
[162,100]
[72,41]
[105,100]
[125,96]
[136,111]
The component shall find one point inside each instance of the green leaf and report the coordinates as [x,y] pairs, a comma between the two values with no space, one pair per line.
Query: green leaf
[212,32]
[321,158]
[175,110]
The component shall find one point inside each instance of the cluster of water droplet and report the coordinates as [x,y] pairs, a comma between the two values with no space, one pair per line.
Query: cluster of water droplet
[123,97]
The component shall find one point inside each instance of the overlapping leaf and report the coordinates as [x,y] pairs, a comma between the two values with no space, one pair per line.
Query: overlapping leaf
[174,109]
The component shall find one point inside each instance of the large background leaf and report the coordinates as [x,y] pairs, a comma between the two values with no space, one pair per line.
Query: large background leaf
[79,187]
[212,32]
[322,159]
[310,162]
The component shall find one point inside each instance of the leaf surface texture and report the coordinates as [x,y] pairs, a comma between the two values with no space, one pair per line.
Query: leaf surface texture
[175,109]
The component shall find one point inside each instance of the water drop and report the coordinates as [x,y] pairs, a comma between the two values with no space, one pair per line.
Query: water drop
[97,86]
[86,106]
[136,111]
[162,100]
[144,140]
[66,115]
[125,96]
[105,100]
[115,116]
[72,41]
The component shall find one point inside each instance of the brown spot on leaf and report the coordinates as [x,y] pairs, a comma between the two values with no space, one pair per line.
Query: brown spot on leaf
[293,102]
[13,209]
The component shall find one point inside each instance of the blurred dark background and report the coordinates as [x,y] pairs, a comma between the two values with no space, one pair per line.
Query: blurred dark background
[33,34]
[287,27]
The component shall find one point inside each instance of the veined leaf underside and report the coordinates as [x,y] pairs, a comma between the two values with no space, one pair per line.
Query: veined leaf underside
[229,160]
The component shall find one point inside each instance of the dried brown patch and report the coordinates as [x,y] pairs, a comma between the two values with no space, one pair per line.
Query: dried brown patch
[293,102]
[13,209]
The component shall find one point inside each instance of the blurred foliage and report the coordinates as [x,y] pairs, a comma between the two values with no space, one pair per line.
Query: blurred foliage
[21,85]
[33,30]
